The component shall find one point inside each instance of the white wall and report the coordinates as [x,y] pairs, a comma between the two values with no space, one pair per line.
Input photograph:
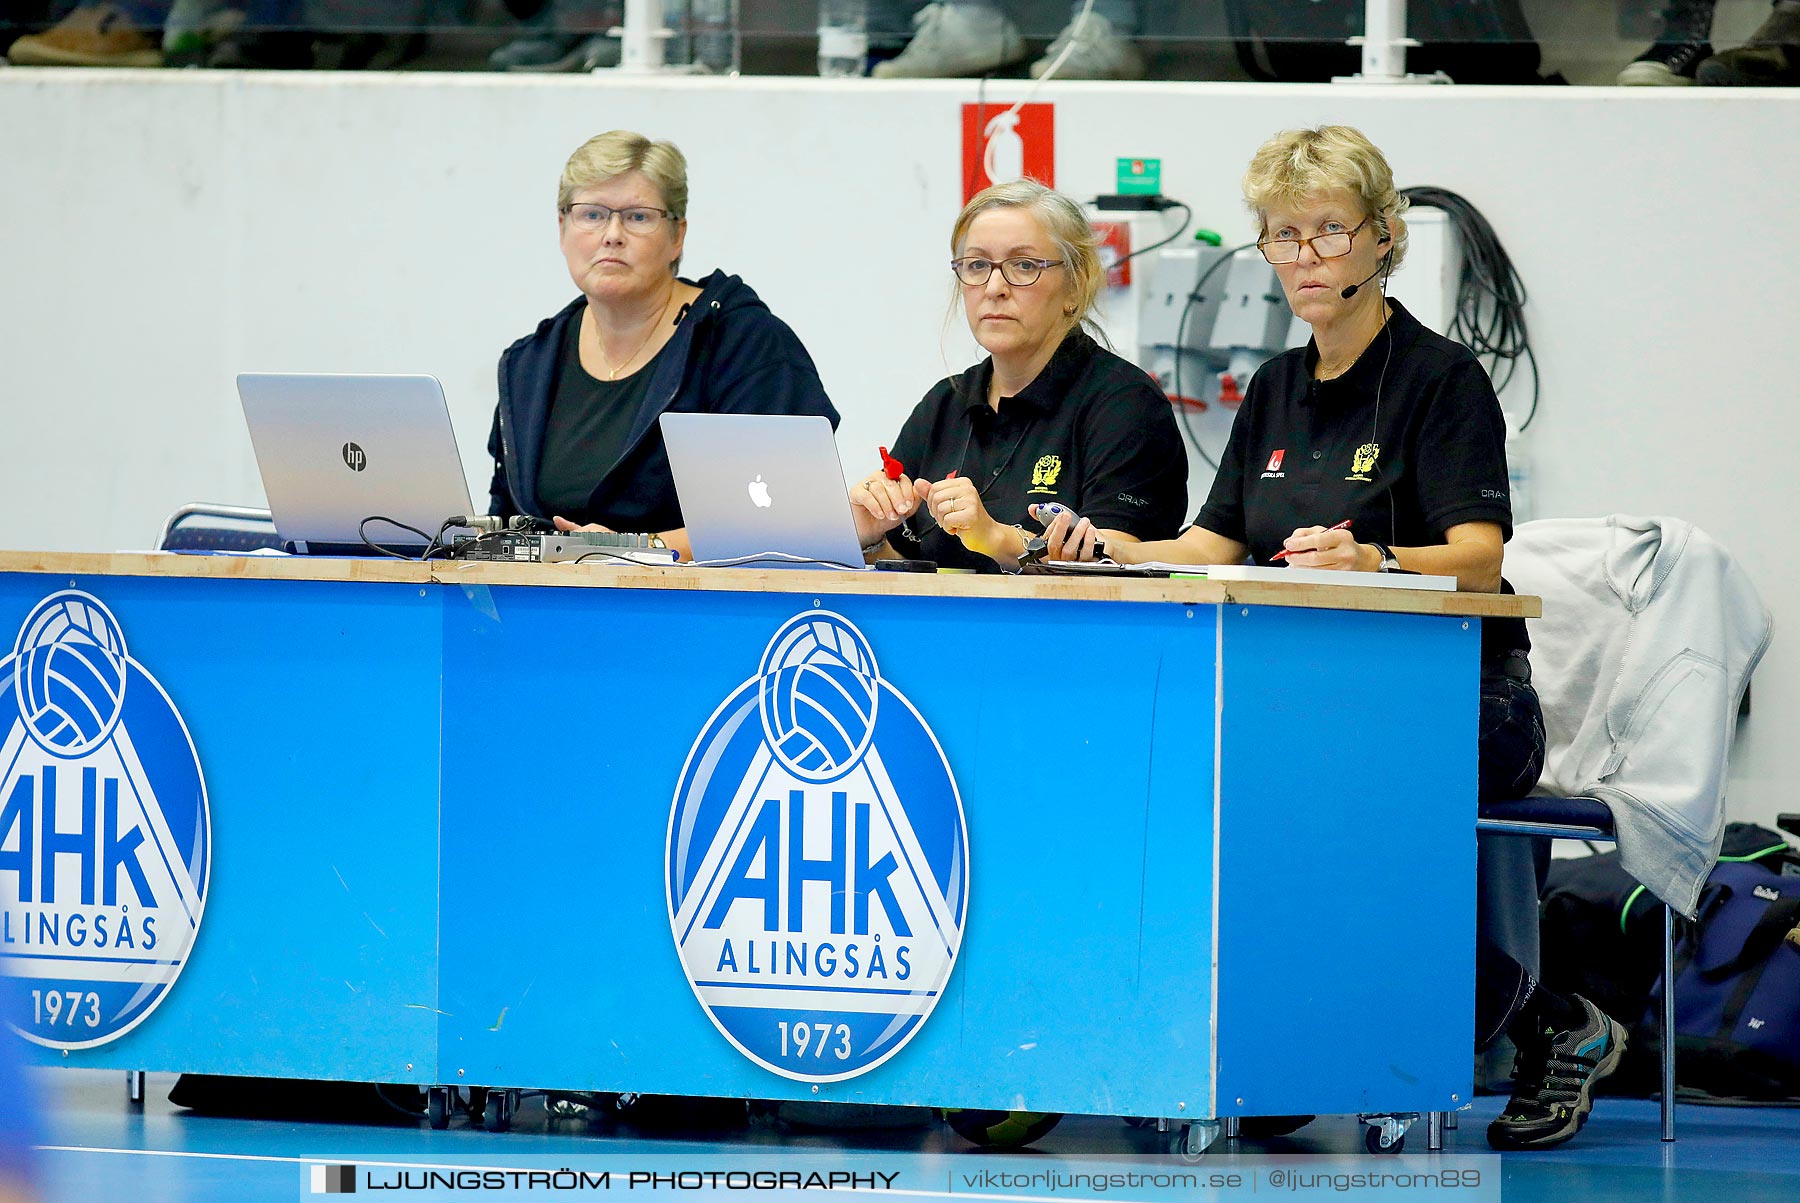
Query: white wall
[161,232]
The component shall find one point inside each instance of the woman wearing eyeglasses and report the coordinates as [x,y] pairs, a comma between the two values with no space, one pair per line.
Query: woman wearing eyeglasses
[575,435]
[1379,446]
[1049,416]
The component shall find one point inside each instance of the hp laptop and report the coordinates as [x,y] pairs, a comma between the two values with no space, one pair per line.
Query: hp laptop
[336,450]
[769,488]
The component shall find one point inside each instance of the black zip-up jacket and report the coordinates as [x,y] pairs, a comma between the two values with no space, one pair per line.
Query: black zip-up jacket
[729,356]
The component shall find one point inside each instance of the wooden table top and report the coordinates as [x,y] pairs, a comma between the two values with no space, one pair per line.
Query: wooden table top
[1177,590]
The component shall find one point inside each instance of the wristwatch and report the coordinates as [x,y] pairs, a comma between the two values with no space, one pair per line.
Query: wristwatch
[1389,563]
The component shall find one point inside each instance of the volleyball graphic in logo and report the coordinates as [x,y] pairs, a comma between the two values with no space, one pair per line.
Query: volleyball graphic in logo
[817,697]
[70,674]
[818,860]
[105,830]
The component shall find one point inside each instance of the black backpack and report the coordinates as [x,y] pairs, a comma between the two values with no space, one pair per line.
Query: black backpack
[1737,985]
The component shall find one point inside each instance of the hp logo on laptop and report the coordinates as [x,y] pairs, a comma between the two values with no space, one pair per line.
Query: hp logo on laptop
[355,457]
[818,867]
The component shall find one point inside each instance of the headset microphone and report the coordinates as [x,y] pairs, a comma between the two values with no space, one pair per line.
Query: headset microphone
[1379,268]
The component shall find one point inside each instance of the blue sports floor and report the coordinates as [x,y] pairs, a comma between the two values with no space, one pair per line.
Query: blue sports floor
[98,1147]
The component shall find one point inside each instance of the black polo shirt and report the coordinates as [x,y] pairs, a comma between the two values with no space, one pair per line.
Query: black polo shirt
[1406,444]
[1092,431]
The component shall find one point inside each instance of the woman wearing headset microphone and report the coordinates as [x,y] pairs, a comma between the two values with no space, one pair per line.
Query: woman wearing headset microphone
[1380,446]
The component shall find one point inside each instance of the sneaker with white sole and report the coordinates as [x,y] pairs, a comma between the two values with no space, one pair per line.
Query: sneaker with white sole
[955,40]
[1553,1082]
[1096,51]
[1665,65]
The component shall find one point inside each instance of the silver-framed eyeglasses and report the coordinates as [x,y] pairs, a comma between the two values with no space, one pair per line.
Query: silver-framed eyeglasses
[1020,272]
[639,219]
[1334,245]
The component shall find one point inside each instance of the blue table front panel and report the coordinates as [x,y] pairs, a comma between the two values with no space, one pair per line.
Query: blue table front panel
[1076,733]
[313,713]
[376,754]
[1347,861]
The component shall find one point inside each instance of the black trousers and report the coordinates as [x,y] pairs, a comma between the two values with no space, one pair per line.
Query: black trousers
[1511,757]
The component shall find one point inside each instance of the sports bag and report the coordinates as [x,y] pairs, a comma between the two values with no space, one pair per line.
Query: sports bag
[1737,987]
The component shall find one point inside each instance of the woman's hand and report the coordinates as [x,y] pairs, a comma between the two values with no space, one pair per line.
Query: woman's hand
[1068,537]
[1334,548]
[879,505]
[955,504]
[563,524]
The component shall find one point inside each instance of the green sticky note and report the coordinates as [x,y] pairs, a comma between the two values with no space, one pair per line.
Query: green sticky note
[1140,177]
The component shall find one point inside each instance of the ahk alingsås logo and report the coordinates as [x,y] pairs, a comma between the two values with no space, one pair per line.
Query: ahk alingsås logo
[105,831]
[818,867]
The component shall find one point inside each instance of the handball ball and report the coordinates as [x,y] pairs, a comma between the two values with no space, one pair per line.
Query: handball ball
[817,697]
[70,666]
[1001,1129]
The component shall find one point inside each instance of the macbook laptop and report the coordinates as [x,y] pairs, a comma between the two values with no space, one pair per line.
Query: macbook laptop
[764,486]
[336,450]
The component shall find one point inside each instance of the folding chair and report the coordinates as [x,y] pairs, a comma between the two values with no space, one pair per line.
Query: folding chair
[1649,636]
[207,527]
[1589,819]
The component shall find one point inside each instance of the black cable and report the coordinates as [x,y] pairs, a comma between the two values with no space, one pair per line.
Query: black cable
[1194,294]
[1490,296]
[409,1112]
[363,534]
[624,558]
[1187,215]
[437,542]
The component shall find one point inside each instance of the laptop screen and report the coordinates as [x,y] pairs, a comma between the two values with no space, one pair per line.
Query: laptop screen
[338,452]
[764,488]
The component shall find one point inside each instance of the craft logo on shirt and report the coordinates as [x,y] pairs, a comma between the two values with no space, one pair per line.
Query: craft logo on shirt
[1044,474]
[1363,462]
[817,860]
[105,830]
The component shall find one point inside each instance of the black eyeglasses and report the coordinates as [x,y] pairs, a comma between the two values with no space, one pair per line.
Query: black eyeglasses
[1334,245]
[1020,272]
[638,219]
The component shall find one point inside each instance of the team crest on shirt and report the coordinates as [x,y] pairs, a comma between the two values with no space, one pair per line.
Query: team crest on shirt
[1363,462]
[818,864]
[105,830]
[1044,473]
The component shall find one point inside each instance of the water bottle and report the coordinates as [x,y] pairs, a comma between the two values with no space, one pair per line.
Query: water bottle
[718,41]
[843,38]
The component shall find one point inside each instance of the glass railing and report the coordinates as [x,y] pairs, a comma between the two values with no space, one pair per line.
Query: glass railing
[1463,41]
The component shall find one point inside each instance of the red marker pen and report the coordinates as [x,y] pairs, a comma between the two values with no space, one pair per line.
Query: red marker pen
[1283,553]
[893,468]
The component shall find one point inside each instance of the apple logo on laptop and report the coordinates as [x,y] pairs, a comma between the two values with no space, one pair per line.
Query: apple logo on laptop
[759,493]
